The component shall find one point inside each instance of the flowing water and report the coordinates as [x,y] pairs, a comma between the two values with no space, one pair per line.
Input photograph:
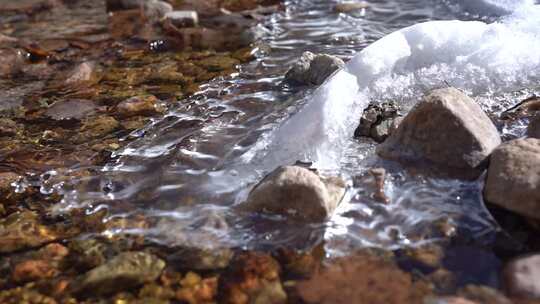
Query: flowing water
[189,169]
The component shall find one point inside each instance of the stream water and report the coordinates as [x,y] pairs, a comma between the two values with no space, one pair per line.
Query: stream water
[187,170]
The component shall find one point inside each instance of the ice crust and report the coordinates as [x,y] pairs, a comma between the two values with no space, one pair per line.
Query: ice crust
[470,55]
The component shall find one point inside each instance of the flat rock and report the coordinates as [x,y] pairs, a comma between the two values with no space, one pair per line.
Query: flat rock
[448,132]
[522,277]
[125,271]
[534,127]
[513,180]
[313,69]
[296,192]
[71,109]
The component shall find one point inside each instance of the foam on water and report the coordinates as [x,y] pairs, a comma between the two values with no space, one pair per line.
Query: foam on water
[470,55]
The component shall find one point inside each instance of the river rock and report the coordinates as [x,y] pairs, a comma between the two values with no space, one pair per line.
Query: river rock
[513,180]
[296,192]
[313,69]
[116,5]
[126,270]
[139,105]
[154,10]
[446,131]
[350,7]
[534,127]
[71,109]
[522,277]
[378,121]
[182,18]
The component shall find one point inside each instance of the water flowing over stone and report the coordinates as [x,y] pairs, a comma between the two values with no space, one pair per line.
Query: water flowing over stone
[446,129]
[208,151]
[513,180]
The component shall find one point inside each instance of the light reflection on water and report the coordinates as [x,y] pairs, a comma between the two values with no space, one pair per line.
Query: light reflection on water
[180,172]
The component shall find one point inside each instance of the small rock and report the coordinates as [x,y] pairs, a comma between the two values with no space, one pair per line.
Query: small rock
[296,192]
[96,127]
[204,259]
[11,62]
[252,278]
[116,5]
[33,270]
[126,270]
[155,10]
[182,18]
[525,108]
[522,277]
[71,109]
[8,127]
[197,290]
[23,230]
[534,127]
[84,73]
[361,278]
[483,295]
[139,105]
[448,300]
[313,69]
[378,121]
[349,7]
[447,131]
[513,180]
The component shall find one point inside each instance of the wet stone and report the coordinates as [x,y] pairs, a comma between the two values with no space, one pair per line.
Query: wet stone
[522,277]
[483,295]
[139,105]
[22,230]
[71,109]
[97,127]
[533,129]
[252,278]
[182,18]
[125,271]
[362,278]
[84,73]
[154,10]
[296,193]
[525,108]
[378,121]
[447,133]
[350,6]
[203,259]
[115,5]
[9,127]
[513,179]
[313,69]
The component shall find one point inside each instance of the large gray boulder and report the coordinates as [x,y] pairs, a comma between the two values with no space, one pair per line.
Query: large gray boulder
[313,69]
[297,193]
[513,180]
[446,132]
[522,277]
[534,127]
